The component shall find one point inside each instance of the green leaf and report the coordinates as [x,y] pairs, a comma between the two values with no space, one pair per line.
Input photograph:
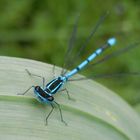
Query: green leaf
[137,108]
[97,113]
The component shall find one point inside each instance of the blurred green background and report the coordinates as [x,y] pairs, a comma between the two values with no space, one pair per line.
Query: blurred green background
[40,30]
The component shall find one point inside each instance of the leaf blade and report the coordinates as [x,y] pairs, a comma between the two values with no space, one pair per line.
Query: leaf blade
[97,111]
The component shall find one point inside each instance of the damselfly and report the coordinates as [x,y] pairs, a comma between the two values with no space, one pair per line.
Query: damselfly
[45,94]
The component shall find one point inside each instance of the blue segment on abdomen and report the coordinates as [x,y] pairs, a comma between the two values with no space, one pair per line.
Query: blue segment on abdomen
[99,51]
[71,73]
[83,64]
[110,42]
[91,57]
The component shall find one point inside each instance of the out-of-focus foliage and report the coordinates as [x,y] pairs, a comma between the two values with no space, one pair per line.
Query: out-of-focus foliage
[40,29]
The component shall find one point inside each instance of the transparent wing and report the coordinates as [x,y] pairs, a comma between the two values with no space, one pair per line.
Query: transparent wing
[106,75]
[70,45]
[116,53]
[67,63]
[104,59]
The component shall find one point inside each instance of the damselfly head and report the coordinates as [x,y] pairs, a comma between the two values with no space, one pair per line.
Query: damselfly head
[37,88]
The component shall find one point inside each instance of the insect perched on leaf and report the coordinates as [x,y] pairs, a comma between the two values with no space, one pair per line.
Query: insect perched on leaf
[45,93]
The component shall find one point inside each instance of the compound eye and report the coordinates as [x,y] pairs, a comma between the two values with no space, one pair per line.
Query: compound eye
[50,98]
[59,78]
[37,88]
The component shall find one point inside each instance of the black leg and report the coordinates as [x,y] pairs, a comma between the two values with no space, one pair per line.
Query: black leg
[43,79]
[49,113]
[25,91]
[62,120]
[67,92]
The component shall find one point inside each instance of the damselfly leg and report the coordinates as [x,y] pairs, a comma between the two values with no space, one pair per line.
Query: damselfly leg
[62,120]
[26,91]
[30,74]
[49,113]
[67,92]
[59,107]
